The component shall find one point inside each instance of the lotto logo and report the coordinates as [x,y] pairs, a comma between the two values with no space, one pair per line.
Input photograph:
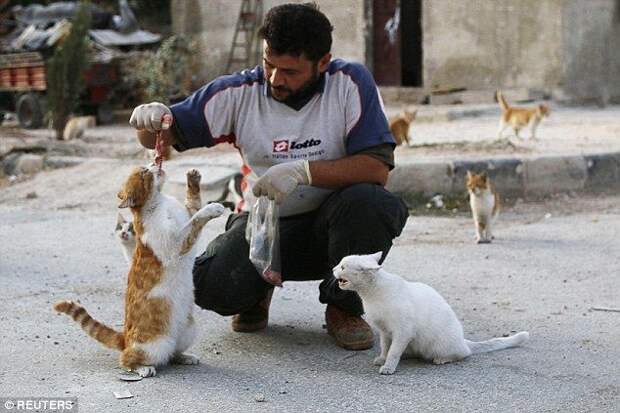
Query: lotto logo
[280,146]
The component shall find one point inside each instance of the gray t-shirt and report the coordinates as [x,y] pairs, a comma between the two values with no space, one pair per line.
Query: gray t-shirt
[344,117]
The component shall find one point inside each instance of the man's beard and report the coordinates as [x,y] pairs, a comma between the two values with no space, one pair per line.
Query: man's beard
[307,90]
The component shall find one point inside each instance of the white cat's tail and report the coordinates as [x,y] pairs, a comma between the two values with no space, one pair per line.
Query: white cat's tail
[499,343]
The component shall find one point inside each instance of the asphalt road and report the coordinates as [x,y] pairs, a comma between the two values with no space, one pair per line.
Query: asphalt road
[551,263]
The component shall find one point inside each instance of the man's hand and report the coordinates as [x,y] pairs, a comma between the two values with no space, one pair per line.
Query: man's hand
[282,179]
[149,116]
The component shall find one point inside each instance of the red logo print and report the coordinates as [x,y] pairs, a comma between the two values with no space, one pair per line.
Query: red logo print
[280,146]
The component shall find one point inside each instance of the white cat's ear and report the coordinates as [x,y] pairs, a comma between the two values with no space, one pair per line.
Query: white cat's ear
[120,219]
[469,174]
[377,257]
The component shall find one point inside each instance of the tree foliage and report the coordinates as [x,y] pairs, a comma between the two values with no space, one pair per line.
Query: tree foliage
[65,71]
[168,72]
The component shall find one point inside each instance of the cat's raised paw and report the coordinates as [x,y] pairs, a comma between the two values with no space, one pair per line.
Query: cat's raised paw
[213,210]
[387,370]
[193,178]
[146,371]
[186,359]
[379,361]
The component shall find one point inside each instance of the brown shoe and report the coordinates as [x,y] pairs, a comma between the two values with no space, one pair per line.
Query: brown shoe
[255,318]
[350,332]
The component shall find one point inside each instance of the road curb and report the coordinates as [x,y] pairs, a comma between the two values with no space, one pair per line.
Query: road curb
[531,177]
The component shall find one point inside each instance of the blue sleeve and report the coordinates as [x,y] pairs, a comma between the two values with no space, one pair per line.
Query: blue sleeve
[371,126]
[190,125]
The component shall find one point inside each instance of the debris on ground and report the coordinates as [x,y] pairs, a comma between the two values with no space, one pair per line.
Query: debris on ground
[436,202]
[607,309]
[259,398]
[123,394]
[130,376]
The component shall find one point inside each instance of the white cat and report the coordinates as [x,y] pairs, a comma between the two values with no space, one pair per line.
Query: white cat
[411,317]
[126,236]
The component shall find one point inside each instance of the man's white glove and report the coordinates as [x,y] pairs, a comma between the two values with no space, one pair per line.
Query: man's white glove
[282,179]
[149,116]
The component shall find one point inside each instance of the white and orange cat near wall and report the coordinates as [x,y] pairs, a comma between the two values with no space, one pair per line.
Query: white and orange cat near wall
[400,125]
[519,118]
[484,202]
[159,326]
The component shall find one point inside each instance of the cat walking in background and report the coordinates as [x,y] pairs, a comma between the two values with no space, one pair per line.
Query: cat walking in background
[411,317]
[126,236]
[484,202]
[400,124]
[159,326]
[76,127]
[518,118]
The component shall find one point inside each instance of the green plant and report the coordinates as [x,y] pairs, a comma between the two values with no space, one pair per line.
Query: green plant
[168,72]
[65,71]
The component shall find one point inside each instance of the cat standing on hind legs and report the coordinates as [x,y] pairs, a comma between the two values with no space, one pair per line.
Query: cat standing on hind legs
[485,204]
[411,317]
[159,326]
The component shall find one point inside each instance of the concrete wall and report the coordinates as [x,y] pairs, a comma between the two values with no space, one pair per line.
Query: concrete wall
[591,50]
[213,23]
[482,44]
[570,47]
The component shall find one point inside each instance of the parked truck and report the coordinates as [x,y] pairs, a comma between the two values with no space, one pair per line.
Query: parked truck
[23,86]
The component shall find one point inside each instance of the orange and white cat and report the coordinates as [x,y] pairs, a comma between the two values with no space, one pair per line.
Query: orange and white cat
[159,326]
[519,118]
[485,204]
[400,124]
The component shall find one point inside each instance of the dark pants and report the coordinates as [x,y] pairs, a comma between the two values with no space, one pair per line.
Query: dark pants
[360,219]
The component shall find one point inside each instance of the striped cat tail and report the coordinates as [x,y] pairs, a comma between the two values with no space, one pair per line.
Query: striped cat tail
[100,332]
[502,102]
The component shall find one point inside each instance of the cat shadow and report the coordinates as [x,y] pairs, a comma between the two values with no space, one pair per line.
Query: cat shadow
[531,243]
[302,346]
[279,337]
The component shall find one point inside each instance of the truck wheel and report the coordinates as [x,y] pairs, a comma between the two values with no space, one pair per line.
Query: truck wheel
[29,111]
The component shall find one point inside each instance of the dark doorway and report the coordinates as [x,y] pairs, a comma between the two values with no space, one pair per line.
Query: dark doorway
[411,42]
[397,56]
[386,59]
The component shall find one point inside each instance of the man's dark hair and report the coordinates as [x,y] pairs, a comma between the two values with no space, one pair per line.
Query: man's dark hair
[297,29]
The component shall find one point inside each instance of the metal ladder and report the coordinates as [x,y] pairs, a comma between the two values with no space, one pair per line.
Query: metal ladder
[246,46]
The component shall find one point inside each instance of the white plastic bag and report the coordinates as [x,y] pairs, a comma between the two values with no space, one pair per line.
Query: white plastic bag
[263,235]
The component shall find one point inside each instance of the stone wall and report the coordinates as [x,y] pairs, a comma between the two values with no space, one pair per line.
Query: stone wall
[213,23]
[482,44]
[591,50]
[567,47]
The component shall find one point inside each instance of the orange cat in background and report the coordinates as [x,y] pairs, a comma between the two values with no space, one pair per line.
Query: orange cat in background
[484,202]
[399,126]
[519,118]
[159,300]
